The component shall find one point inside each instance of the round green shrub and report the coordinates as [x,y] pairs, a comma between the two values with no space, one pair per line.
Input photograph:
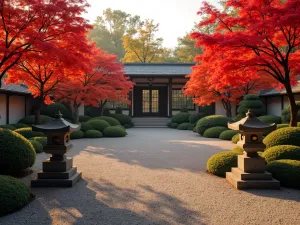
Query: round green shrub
[169,124]
[29,120]
[183,126]
[195,129]
[120,126]
[286,115]
[118,110]
[212,121]
[53,109]
[38,147]
[214,132]
[279,126]
[182,117]
[41,140]
[99,125]
[8,126]
[235,138]
[184,110]
[127,126]
[286,171]
[86,126]
[228,134]
[28,133]
[83,119]
[106,112]
[283,136]
[194,117]
[93,134]
[251,97]
[20,125]
[123,119]
[174,125]
[238,117]
[110,120]
[282,152]
[191,126]
[77,134]
[114,132]
[270,119]
[237,150]
[251,102]
[221,163]
[14,195]
[17,153]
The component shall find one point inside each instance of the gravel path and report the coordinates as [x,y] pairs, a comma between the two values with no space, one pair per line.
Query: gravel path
[153,176]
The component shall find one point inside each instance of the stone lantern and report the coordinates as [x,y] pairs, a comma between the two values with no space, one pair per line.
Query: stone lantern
[58,171]
[250,172]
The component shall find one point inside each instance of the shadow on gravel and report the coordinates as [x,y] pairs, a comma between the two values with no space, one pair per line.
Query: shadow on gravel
[283,193]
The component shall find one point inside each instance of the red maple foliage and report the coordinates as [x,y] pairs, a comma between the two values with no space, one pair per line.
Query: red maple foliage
[260,39]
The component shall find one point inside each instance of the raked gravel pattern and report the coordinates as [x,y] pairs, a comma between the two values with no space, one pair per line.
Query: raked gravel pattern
[153,176]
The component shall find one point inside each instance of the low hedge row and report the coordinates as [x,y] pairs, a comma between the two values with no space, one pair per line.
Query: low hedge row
[214,132]
[212,121]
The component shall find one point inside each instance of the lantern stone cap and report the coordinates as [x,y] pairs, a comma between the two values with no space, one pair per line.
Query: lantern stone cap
[251,123]
[57,125]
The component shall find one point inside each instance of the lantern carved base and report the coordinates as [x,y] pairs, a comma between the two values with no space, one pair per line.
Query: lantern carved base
[251,174]
[57,174]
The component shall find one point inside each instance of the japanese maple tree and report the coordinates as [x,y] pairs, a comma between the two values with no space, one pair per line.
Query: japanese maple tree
[261,38]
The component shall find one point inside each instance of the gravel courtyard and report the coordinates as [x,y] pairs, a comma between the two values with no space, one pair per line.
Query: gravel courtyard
[153,176]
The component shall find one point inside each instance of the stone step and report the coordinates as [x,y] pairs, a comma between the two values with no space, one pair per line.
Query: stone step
[251,176]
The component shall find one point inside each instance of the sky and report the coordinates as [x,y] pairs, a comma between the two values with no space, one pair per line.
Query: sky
[175,17]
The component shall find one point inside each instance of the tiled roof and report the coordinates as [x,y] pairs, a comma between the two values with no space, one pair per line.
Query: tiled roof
[22,89]
[296,89]
[158,69]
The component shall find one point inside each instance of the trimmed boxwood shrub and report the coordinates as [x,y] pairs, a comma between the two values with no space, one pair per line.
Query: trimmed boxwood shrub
[99,125]
[286,171]
[41,140]
[29,120]
[184,109]
[212,121]
[114,132]
[270,119]
[38,147]
[127,126]
[194,117]
[53,109]
[84,118]
[169,124]
[238,117]
[235,138]
[228,134]
[195,129]
[120,126]
[93,134]
[237,150]
[28,133]
[214,132]
[14,195]
[174,125]
[123,119]
[191,126]
[77,134]
[283,136]
[8,126]
[110,120]
[106,112]
[286,115]
[282,152]
[20,125]
[182,117]
[221,163]
[279,126]
[184,126]
[118,110]
[17,153]
[251,102]
[86,126]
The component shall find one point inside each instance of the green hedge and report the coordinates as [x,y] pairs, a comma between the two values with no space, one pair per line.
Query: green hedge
[251,102]
[174,125]
[182,117]
[235,138]
[194,117]
[14,195]
[29,120]
[185,126]
[114,132]
[283,136]
[282,152]
[195,129]
[8,126]
[77,134]
[270,119]
[169,124]
[93,134]
[28,133]
[212,121]
[112,121]
[99,125]
[221,163]
[20,125]
[85,126]
[38,147]
[53,109]
[123,119]
[41,140]
[228,134]
[286,115]
[286,171]
[214,132]
[83,119]
[127,126]
[17,153]
[237,150]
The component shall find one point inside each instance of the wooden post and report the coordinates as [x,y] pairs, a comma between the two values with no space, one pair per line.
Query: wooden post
[131,102]
[7,109]
[170,97]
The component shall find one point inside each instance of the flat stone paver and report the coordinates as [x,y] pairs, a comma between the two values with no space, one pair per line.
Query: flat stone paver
[153,176]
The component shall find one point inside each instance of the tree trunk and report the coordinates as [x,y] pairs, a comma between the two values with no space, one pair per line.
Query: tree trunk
[293,106]
[227,107]
[76,114]
[37,116]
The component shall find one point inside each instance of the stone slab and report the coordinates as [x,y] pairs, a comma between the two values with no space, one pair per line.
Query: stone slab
[251,164]
[57,182]
[251,176]
[57,175]
[58,166]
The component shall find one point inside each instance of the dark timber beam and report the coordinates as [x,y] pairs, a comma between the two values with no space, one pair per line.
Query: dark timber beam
[282,102]
[131,102]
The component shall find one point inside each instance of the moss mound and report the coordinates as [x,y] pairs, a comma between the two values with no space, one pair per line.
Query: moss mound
[286,115]
[214,132]
[84,118]
[237,150]
[123,119]
[114,132]
[14,195]
[282,152]
[221,163]
[283,136]
[286,171]
[270,119]
[85,126]
[228,134]
[251,102]
[182,117]
[279,126]
[185,126]
[93,134]
[77,134]
[99,125]
[8,126]
[174,125]
[194,117]
[235,138]
[29,120]
[110,120]
[17,153]
[38,147]
[53,109]
[212,121]
[41,140]
[28,133]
